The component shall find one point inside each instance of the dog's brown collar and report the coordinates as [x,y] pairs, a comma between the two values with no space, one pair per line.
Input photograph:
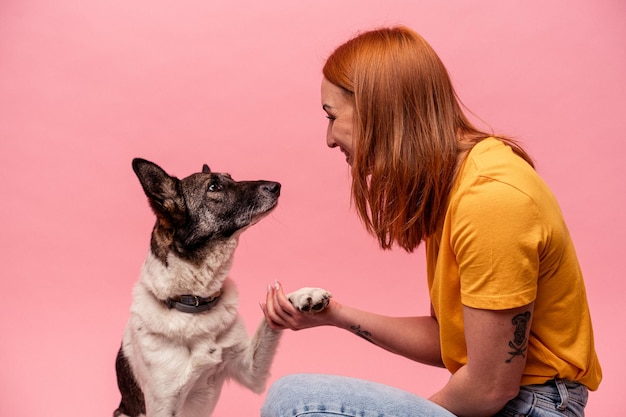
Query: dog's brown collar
[193,303]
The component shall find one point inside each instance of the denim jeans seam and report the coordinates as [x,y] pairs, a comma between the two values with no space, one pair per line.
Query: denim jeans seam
[554,398]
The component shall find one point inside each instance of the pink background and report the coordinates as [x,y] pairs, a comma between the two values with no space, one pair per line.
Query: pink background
[87,85]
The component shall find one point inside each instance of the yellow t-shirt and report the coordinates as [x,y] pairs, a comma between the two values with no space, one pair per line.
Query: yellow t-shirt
[504,244]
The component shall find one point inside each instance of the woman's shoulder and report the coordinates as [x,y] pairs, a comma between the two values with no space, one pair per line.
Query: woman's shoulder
[493,173]
[493,159]
[491,152]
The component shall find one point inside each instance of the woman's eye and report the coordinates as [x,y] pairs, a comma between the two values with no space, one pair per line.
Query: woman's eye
[330,116]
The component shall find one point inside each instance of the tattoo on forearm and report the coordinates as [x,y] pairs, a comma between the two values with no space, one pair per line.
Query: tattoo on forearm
[362,333]
[519,344]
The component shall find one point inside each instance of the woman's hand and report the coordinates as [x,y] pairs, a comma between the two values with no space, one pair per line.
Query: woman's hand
[281,314]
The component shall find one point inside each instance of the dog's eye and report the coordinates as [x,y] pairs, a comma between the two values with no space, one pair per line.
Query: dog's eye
[215,187]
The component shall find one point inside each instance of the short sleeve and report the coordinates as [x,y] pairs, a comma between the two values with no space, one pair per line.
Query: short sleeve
[496,238]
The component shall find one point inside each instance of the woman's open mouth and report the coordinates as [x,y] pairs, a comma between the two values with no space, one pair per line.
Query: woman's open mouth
[347,154]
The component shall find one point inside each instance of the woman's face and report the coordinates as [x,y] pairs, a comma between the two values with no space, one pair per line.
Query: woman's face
[340,111]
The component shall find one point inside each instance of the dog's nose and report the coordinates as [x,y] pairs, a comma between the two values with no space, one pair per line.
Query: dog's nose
[271,187]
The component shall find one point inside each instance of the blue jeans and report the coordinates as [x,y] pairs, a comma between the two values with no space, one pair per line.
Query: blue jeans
[555,398]
[309,395]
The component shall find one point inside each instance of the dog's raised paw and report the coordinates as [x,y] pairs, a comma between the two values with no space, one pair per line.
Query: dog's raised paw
[310,300]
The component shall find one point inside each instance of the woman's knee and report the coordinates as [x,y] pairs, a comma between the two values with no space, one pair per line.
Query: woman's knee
[280,395]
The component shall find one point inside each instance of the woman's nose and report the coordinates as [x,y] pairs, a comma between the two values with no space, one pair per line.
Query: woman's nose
[330,142]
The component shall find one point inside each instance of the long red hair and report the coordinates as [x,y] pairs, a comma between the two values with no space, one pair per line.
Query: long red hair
[407,130]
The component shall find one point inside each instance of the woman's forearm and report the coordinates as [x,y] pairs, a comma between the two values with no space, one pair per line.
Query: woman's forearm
[416,338]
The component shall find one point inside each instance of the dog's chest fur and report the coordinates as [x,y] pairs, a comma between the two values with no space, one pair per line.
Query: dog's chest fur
[166,348]
[198,337]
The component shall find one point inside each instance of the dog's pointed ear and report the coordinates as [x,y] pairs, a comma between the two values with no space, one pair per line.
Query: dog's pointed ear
[162,190]
[206,169]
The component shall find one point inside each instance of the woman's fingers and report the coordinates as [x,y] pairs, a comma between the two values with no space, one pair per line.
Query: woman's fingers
[274,308]
[274,325]
[282,301]
[280,312]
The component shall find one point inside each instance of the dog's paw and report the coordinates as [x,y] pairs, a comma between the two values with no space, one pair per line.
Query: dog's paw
[310,300]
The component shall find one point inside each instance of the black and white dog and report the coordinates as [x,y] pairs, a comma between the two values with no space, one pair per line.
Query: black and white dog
[184,337]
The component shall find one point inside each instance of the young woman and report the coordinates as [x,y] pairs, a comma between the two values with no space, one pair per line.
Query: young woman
[509,315]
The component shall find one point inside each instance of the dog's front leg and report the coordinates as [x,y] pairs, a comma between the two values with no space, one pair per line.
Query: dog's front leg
[165,375]
[253,357]
[166,398]
[161,407]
